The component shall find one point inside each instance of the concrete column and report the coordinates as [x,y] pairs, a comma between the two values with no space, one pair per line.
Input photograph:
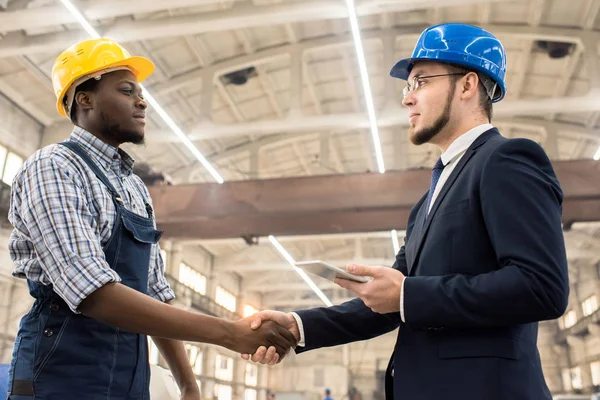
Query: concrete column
[208,382]
[263,382]
[586,375]
[296,86]
[56,132]
[175,256]
[239,378]
[212,281]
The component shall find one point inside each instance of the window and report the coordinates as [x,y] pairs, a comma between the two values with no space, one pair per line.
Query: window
[195,357]
[589,305]
[224,368]
[12,166]
[225,299]
[576,382]
[223,392]
[249,310]
[153,353]
[595,367]
[250,394]
[566,377]
[251,375]
[569,319]
[192,279]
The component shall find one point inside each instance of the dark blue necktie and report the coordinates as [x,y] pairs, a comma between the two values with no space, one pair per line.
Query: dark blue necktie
[435,176]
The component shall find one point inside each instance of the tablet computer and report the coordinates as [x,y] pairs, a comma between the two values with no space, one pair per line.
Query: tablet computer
[328,271]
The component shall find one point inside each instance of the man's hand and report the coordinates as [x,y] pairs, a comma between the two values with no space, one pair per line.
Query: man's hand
[248,339]
[382,293]
[286,320]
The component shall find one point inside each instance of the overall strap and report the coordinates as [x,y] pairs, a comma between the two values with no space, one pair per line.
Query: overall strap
[79,150]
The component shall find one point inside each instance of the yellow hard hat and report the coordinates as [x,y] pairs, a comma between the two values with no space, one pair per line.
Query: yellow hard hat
[91,59]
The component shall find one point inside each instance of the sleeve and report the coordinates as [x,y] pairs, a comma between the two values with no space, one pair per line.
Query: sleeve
[302,341]
[158,286]
[521,204]
[350,322]
[56,219]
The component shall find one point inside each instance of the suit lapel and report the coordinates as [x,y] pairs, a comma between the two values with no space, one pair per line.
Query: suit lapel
[416,233]
[421,228]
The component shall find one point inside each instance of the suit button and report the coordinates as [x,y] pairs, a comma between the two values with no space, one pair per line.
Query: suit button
[48,332]
[55,307]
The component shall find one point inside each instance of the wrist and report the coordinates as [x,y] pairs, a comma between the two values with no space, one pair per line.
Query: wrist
[189,388]
[228,338]
[294,328]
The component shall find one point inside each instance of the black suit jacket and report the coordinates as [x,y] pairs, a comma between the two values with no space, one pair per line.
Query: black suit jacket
[482,269]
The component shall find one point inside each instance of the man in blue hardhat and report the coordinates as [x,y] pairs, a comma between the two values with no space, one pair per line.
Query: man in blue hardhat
[484,256]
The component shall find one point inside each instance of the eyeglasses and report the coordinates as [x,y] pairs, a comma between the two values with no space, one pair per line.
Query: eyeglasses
[417,81]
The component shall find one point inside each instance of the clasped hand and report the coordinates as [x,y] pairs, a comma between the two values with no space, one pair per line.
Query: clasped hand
[250,337]
[381,294]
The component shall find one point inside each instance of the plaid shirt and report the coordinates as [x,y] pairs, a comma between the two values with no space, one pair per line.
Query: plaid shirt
[63,216]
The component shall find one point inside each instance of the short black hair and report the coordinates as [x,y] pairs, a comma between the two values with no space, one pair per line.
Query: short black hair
[88,86]
[485,102]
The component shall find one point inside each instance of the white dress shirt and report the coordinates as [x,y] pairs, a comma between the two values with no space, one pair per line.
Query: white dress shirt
[450,158]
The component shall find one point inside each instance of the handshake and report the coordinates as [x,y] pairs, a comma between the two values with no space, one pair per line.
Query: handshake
[265,337]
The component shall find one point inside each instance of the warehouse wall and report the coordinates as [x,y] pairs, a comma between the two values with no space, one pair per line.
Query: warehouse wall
[19,132]
[21,135]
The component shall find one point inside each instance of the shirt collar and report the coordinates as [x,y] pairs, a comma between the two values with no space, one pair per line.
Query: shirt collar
[463,142]
[106,154]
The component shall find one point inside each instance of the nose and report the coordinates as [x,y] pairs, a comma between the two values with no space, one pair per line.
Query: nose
[142,103]
[409,100]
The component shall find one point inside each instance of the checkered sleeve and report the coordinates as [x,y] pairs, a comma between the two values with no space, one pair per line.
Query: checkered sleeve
[55,218]
[158,287]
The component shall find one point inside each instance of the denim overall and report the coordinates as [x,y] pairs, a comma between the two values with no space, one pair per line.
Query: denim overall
[60,355]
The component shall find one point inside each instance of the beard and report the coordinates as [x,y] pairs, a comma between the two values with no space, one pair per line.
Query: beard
[427,133]
[119,135]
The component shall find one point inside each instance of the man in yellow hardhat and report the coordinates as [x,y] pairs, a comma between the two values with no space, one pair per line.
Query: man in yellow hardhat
[84,238]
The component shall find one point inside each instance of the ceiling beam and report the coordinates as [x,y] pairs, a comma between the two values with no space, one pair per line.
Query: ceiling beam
[254,267]
[285,287]
[336,41]
[240,16]
[23,103]
[312,302]
[301,238]
[391,115]
[56,15]
[330,204]
[552,129]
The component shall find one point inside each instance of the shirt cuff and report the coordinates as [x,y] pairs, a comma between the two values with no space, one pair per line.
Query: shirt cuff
[402,301]
[164,295]
[301,342]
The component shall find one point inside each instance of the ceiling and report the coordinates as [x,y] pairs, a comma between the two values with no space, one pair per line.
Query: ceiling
[301,109]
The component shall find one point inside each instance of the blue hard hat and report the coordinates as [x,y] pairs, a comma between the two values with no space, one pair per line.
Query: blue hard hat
[462,45]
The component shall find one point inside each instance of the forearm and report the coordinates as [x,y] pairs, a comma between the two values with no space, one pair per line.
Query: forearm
[117,305]
[507,296]
[346,323]
[174,353]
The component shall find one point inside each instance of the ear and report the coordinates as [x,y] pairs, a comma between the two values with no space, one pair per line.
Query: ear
[84,100]
[469,86]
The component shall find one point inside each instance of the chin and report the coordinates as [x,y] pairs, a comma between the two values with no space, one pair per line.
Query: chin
[133,136]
